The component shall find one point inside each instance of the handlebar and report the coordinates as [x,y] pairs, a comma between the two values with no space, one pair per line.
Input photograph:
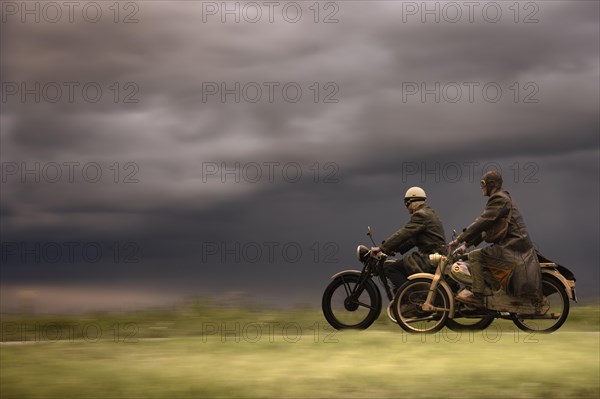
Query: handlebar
[377,255]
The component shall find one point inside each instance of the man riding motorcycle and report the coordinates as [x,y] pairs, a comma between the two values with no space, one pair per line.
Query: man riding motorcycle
[424,230]
[511,257]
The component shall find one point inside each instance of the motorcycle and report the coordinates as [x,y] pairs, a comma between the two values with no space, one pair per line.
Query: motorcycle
[425,303]
[352,299]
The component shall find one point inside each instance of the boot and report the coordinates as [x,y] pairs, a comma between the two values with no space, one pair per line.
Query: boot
[466,296]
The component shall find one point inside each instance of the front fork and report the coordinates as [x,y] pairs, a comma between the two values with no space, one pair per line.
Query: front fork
[359,287]
[439,272]
[366,274]
[384,280]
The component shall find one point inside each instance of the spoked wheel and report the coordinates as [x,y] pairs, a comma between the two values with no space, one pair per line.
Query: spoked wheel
[347,304]
[555,309]
[408,311]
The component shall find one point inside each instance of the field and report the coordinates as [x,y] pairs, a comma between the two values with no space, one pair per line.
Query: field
[203,350]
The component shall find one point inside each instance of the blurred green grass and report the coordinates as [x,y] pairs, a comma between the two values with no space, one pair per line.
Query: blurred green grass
[204,350]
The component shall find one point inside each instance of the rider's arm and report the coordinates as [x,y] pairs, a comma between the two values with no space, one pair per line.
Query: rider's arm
[398,242]
[497,206]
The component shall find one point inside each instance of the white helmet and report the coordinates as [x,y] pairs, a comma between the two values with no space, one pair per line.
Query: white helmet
[415,194]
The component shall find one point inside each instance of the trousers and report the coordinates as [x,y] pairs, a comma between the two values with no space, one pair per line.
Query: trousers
[483,278]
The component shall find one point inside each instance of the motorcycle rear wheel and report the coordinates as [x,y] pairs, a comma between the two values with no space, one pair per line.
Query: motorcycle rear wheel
[555,293]
[407,307]
[344,311]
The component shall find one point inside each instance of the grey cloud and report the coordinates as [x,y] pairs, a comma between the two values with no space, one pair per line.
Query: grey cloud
[371,134]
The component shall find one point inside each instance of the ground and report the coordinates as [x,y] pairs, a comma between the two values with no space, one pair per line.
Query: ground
[206,351]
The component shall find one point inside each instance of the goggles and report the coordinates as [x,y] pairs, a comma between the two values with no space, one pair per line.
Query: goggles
[482,183]
[408,201]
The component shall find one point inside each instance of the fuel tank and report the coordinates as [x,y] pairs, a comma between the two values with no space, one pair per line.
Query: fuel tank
[460,272]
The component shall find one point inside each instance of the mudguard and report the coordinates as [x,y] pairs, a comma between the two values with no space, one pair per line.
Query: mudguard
[568,284]
[349,271]
[565,272]
[444,285]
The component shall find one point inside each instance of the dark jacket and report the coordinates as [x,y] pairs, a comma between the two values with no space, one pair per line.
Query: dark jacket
[514,252]
[425,231]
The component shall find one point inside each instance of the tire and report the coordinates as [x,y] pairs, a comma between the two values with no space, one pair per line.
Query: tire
[343,312]
[476,324]
[390,312]
[556,295]
[407,307]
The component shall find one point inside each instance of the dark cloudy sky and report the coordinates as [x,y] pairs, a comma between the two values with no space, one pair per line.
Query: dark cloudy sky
[121,143]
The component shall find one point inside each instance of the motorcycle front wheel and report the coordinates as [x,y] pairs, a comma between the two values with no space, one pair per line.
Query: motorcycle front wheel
[347,304]
[409,313]
[556,300]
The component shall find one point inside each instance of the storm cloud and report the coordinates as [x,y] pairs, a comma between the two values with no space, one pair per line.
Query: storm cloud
[250,156]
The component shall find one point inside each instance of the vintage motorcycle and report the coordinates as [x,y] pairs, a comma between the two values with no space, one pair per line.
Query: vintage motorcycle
[425,303]
[352,299]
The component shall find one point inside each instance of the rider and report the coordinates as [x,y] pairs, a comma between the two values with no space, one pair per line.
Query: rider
[424,230]
[511,255]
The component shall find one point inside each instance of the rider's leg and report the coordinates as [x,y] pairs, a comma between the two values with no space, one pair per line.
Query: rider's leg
[477,272]
[396,273]
[475,296]
[483,278]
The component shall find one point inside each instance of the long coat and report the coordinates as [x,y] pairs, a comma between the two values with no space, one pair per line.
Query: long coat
[514,252]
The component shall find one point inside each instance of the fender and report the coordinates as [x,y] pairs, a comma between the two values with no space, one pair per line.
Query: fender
[568,284]
[349,271]
[444,285]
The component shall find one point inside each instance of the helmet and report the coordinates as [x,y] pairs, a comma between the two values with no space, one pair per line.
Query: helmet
[414,194]
[492,178]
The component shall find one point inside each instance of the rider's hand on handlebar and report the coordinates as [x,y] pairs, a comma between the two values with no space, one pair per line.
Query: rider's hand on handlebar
[460,246]
[377,253]
[460,250]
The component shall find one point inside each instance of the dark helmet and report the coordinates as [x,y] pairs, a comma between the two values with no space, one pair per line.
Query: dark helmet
[492,178]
